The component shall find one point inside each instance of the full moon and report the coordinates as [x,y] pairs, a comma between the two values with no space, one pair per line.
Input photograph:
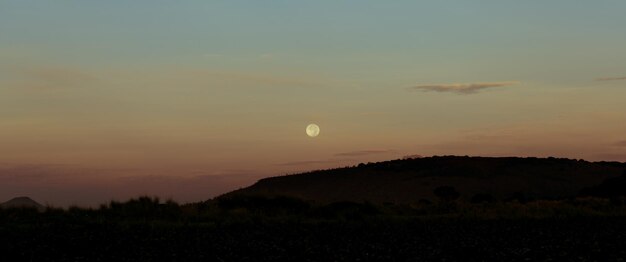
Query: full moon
[312,130]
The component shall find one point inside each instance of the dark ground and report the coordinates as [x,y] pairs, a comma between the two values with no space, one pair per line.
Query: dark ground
[548,239]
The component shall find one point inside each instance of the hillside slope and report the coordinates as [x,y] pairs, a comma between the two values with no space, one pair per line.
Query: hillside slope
[409,180]
[22,202]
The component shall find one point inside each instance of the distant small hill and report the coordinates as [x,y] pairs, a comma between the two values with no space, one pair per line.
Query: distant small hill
[410,180]
[22,202]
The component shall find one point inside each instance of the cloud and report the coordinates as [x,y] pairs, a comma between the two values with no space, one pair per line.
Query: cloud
[339,158]
[610,78]
[364,153]
[470,88]
[309,162]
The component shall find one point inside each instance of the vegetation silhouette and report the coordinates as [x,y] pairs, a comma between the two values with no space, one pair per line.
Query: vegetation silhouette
[142,208]
[146,228]
[519,197]
[446,193]
[466,223]
[482,198]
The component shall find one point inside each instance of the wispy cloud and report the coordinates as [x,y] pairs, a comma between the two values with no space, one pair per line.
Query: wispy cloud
[459,88]
[611,78]
[309,162]
[364,153]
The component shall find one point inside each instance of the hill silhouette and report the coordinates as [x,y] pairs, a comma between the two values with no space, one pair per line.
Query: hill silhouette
[412,180]
[22,202]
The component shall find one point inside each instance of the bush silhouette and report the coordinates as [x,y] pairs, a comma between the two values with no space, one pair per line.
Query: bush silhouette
[446,193]
[519,197]
[482,198]
[145,208]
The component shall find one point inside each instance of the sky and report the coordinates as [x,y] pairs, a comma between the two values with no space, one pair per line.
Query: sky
[103,100]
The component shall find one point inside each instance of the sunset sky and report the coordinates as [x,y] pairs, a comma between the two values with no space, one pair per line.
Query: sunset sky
[104,100]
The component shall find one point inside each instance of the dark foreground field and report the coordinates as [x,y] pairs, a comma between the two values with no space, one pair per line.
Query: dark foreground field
[548,239]
[259,228]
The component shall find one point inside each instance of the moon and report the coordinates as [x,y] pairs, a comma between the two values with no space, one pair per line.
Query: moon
[312,130]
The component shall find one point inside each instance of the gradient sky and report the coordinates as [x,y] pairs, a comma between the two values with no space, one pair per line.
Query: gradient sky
[105,100]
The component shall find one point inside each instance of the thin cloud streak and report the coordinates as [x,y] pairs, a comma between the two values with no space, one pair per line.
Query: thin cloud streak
[364,153]
[310,162]
[611,78]
[469,88]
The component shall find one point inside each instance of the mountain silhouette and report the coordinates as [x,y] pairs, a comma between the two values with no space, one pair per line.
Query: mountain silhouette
[22,202]
[415,179]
